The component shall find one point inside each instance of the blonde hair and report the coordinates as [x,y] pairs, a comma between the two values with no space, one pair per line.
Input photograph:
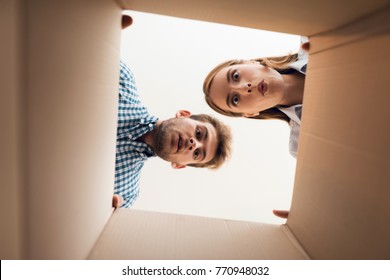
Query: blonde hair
[279,63]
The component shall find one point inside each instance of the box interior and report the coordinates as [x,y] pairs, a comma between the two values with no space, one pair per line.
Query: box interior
[59,89]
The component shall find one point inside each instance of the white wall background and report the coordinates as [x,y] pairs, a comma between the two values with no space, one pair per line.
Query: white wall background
[170,58]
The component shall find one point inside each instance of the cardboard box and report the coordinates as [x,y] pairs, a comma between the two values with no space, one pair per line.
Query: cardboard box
[56,188]
[341,192]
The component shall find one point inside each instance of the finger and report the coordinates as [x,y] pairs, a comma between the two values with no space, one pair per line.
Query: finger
[116,201]
[126,21]
[306,46]
[281,213]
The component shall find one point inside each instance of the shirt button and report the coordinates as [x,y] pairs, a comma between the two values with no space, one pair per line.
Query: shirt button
[142,121]
[150,125]
[130,136]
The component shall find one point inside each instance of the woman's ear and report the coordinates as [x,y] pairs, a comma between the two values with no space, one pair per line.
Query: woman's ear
[250,115]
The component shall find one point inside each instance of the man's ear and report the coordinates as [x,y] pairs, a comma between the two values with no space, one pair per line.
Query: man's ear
[250,115]
[183,114]
[177,165]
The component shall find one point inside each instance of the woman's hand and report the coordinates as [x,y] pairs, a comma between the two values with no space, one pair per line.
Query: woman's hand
[306,46]
[281,213]
[126,21]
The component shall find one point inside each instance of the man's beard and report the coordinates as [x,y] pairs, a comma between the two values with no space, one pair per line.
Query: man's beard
[162,139]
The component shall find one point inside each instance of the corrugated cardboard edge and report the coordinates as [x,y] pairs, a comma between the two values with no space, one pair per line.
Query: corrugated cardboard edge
[101,233]
[294,241]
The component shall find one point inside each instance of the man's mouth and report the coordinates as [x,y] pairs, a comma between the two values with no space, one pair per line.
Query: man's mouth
[179,143]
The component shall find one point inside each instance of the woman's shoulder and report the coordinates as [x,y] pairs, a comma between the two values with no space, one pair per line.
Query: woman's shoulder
[293,112]
[302,58]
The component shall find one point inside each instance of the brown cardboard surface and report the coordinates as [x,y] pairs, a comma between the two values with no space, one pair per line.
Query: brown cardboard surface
[60,112]
[341,193]
[296,17]
[11,165]
[71,123]
[132,234]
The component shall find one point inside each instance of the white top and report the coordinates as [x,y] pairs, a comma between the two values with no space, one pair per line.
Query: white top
[295,112]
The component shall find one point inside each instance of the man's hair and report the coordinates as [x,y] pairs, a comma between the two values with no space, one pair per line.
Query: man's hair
[224,140]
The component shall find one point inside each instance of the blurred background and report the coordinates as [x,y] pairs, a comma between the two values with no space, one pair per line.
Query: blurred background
[170,57]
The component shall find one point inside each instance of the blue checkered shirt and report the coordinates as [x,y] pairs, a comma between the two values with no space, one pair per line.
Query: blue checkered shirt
[133,122]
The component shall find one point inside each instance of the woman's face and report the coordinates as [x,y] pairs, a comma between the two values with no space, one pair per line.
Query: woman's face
[246,88]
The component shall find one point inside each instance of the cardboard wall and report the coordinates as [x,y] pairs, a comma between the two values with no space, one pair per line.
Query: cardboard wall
[72,79]
[11,164]
[341,192]
[132,234]
[60,109]
[296,17]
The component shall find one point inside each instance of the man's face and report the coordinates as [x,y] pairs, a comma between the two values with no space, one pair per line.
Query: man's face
[184,141]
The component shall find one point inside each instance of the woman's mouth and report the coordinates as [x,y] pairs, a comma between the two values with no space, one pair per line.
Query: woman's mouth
[262,87]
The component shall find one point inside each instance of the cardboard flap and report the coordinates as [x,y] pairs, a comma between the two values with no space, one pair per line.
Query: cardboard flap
[341,193]
[61,110]
[294,17]
[132,234]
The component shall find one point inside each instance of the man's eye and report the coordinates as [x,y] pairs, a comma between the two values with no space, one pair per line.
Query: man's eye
[235,100]
[196,154]
[198,132]
[235,76]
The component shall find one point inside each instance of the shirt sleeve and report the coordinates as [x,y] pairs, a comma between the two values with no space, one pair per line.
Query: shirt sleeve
[128,201]
[294,137]
[127,87]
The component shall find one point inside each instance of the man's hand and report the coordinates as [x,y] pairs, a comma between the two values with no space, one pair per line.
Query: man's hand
[117,201]
[126,21]
[281,213]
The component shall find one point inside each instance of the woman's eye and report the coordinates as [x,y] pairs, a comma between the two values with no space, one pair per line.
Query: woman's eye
[196,153]
[235,76]
[197,132]
[235,100]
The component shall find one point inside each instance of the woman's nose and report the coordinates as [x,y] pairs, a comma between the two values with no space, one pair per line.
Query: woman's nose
[248,87]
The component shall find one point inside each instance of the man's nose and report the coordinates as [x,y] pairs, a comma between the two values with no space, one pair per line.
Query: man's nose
[192,144]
